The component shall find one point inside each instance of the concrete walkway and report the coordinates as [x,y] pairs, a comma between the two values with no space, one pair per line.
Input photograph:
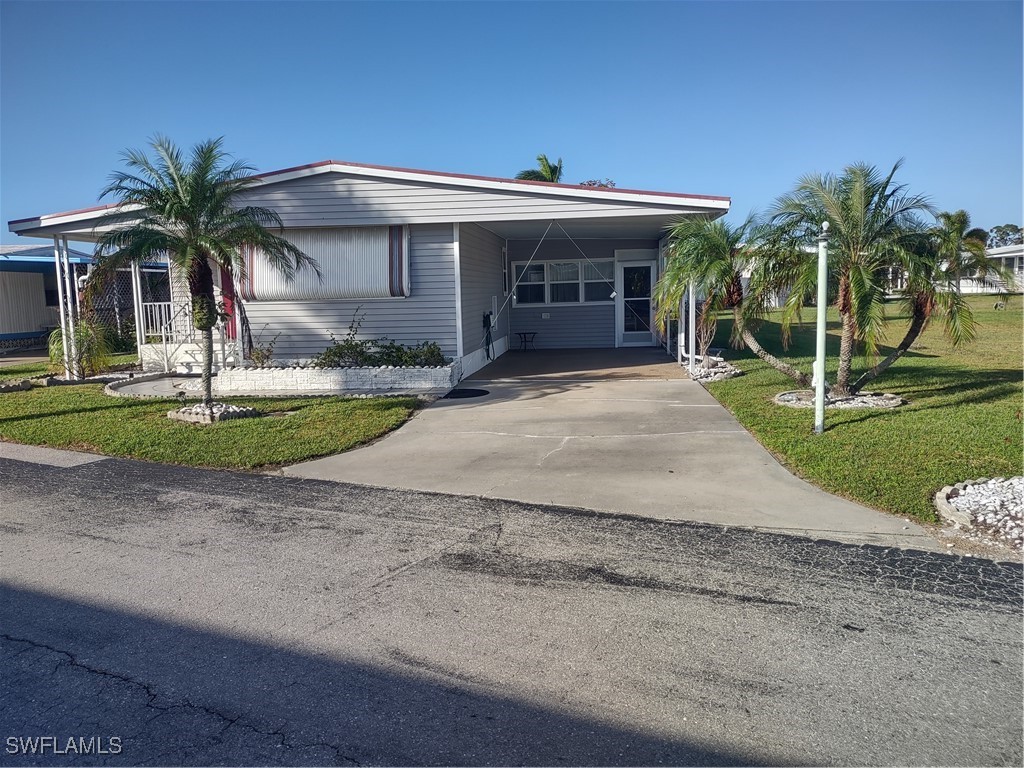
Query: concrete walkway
[662,448]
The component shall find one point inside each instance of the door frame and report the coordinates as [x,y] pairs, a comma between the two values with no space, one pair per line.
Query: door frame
[620,302]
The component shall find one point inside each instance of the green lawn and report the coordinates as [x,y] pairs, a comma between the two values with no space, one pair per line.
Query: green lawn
[82,417]
[29,370]
[963,421]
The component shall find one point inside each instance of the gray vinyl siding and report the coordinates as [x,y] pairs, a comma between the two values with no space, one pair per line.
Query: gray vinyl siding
[339,199]
[481,276]
[428,314]
[588,325]
[568,326]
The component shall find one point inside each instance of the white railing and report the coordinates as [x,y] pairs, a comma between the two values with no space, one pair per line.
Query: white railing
[171,327]
[156,315]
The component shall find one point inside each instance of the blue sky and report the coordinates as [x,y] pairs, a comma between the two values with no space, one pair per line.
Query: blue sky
[722,98]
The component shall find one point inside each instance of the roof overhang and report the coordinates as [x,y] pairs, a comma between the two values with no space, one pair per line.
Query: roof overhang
[659,207]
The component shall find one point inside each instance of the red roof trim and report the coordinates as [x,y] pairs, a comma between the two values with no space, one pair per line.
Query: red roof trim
[471,177]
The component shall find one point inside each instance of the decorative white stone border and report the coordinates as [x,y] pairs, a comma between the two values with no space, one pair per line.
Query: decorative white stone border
[804,398]
[199,414]
[16,386]
[301,378]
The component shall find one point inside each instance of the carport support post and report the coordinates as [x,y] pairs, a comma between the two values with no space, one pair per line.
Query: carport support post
[71,294]
[140,324]
[819,358]
[679,333]
[60,306]
[691,328]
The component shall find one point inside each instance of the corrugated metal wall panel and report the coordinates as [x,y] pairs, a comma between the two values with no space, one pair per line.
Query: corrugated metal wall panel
[428,314]
[480,269]
[23,303]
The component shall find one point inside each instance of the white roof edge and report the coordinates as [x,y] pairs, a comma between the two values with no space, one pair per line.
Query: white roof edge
[54,219]
[658,202]
[651,198]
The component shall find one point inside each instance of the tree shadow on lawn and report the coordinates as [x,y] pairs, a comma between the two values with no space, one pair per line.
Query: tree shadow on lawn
[131,406]
[978,387]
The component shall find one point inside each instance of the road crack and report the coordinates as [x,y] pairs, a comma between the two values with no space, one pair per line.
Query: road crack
[70,660]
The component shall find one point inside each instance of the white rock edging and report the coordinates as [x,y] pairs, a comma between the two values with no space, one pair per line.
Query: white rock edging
[301,378]
[719,371]
[804,398]
[202,414]
[991,509]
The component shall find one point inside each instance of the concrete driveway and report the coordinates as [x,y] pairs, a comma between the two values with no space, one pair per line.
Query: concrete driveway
[628,437]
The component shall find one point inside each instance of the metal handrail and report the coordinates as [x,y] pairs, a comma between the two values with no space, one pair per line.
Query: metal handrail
[169,326]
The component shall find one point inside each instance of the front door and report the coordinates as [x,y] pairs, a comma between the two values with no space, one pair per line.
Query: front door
[634,309]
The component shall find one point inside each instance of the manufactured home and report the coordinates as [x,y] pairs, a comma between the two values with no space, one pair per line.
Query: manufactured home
[479,265]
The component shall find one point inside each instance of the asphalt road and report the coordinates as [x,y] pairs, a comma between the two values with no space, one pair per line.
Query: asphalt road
[220,618]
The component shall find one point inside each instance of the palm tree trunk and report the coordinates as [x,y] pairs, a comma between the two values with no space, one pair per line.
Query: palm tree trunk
[916,328]
[799,377]
[842,387]
[207,379]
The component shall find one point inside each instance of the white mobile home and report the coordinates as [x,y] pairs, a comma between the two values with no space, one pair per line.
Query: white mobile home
[428,256]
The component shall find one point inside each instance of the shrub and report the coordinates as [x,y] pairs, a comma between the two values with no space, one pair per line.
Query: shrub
[352,351]
[374,352]
[92,345]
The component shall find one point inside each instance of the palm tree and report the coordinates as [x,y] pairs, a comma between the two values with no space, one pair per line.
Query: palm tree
[962,246]
[932,287]
[545,171]
[873,224]
[167,205]
[712,255]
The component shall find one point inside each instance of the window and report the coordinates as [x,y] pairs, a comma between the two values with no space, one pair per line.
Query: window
[564,278]
[530,284]
[565,282]
[598,280]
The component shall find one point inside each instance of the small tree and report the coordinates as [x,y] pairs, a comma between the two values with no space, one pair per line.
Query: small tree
[960,246]
[184,210]
[873,222]
[704,333]
[712,256]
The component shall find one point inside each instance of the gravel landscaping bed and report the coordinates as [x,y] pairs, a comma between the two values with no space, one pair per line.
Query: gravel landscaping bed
[989,510]
[804,398]
[719,371]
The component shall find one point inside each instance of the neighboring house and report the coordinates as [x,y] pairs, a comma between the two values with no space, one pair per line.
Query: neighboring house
[28,294]
[427,256]
[1009,256]
[30,299]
